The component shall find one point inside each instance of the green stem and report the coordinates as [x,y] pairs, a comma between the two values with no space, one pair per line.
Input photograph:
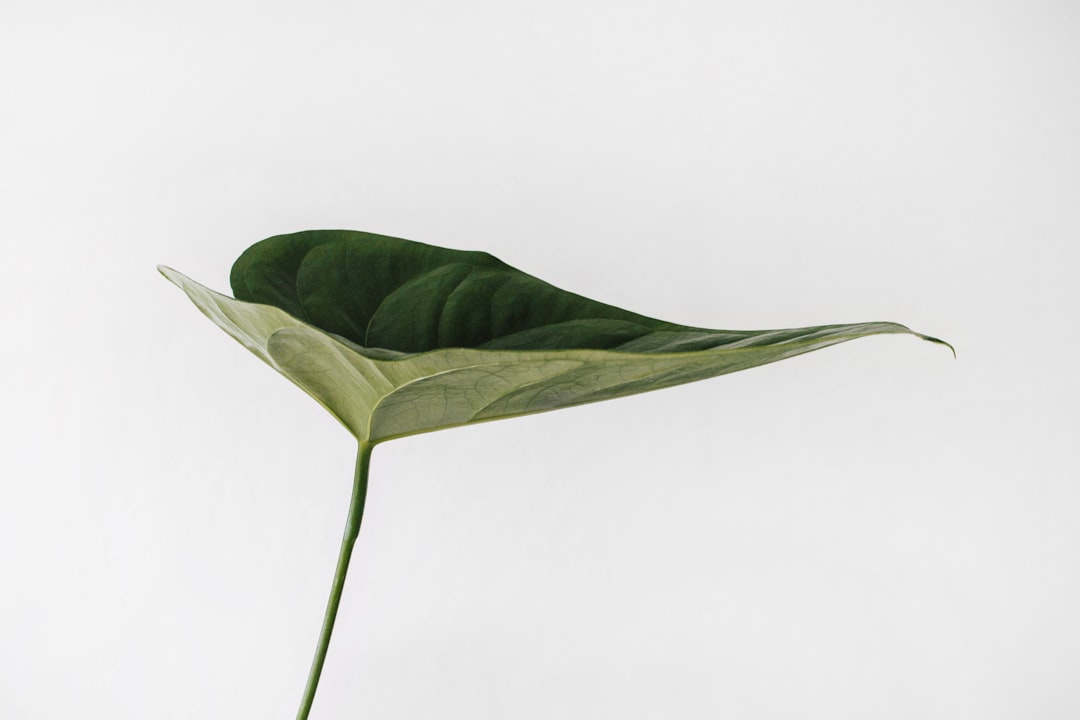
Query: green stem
[352,529]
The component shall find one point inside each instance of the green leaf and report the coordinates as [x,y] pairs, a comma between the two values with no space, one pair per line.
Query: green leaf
[396,338]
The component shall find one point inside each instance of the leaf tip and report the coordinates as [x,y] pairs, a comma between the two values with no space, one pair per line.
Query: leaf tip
[939,341]
[171,275]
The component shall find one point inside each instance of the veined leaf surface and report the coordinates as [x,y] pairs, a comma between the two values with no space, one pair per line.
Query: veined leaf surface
[396,338]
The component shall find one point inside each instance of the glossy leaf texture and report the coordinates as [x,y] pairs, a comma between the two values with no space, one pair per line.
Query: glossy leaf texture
[396,337]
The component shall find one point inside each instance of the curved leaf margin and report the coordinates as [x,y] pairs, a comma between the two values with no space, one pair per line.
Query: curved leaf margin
[380,395]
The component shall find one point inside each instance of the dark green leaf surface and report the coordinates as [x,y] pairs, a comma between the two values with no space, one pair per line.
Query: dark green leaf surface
[396,337]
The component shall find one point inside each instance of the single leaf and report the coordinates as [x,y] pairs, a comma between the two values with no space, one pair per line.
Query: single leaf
[396,338]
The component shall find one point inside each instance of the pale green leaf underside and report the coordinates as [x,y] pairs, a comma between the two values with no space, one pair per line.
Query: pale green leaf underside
[383,395]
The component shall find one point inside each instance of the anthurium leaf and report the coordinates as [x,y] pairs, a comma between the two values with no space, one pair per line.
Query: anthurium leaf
[396,338]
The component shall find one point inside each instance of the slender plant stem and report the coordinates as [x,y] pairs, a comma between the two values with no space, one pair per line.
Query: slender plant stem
[352,529]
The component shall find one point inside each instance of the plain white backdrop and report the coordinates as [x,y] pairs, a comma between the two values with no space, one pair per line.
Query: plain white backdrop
[872,531]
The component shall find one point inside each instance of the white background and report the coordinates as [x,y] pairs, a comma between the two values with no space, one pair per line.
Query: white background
[872,531]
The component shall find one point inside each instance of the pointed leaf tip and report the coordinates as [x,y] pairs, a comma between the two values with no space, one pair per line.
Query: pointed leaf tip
[939,341]
[171,275]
